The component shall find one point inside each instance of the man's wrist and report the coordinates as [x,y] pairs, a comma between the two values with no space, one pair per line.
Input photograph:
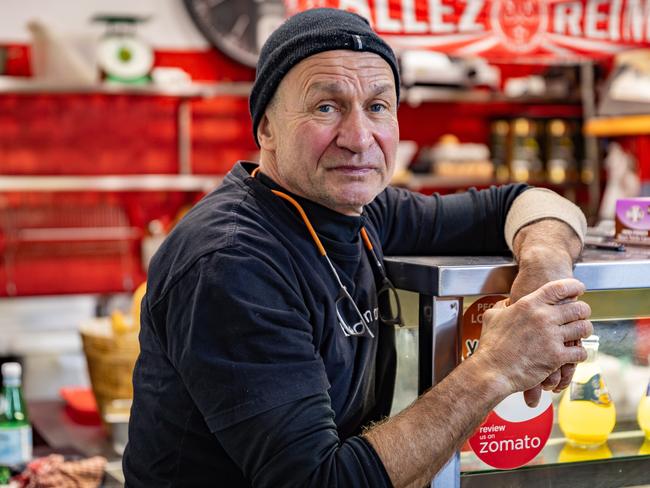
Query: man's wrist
[542,257]
[487,378]
[547,239]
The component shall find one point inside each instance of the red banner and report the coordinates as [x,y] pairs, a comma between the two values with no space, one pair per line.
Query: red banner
[504,29]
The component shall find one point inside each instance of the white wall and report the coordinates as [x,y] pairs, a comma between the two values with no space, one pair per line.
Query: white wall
[170,26]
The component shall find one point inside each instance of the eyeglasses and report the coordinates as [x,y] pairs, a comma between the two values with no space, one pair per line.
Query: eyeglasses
[391,311]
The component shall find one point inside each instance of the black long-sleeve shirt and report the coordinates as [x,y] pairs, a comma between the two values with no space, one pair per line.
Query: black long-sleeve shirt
[245,377]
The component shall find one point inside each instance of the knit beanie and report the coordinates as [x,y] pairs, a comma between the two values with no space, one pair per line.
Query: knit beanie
[303,35]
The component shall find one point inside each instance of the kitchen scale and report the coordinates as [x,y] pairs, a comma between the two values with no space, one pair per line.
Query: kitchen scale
[122,56]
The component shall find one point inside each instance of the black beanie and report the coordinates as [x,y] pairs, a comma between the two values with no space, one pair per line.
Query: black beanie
[303,35]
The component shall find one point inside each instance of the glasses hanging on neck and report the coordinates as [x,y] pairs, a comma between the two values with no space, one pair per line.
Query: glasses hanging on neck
[391,313]
[351,320]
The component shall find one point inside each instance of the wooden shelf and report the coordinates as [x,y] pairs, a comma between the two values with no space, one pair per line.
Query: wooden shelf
[626,125]
[188,183]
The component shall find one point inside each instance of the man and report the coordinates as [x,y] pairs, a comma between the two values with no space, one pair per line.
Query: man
[264,350]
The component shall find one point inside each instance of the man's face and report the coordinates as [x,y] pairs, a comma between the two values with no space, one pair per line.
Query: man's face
[334,130]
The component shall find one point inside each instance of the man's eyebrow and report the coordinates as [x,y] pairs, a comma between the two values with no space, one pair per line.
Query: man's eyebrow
[382,88]
[333,88]
[328,87]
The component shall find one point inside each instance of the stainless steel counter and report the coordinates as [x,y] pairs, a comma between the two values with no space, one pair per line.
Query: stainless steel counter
[448,276]
[442,282]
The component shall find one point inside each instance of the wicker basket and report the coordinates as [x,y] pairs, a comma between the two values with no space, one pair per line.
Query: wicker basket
[111,358]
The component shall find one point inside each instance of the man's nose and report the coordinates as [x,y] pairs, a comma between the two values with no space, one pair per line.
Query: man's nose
[355,131]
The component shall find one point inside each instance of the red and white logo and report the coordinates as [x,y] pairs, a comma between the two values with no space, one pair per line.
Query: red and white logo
[513,433]
[521,24]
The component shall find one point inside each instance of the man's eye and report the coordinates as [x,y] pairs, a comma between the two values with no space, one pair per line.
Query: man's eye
[326,108]
[377,107]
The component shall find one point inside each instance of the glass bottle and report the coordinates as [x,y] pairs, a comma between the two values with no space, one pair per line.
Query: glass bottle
[15,429]
[643,412]
[561,164]
[525,163]
[587,414]
[499,149]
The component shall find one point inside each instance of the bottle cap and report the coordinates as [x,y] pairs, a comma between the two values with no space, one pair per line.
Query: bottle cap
[11,371]
[592,339]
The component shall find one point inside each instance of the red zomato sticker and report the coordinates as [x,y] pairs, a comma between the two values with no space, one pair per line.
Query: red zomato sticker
[513,434]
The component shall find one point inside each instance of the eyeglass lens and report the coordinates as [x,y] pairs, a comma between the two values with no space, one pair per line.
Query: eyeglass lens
[351,321]
[391,312]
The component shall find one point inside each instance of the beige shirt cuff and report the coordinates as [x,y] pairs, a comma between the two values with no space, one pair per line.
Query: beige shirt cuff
[540,203]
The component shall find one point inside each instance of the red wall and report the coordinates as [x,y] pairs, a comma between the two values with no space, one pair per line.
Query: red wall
[95,134]
[114,134]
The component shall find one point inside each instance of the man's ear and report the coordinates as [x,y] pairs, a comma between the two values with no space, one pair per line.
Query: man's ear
[266,133]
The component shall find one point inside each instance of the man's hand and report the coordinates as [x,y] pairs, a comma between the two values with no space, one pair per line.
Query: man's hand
[545,251]
[525,342]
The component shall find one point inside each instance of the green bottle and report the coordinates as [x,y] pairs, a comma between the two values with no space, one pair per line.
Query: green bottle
[15,429]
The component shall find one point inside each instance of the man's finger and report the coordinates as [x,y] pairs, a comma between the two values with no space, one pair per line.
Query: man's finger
[533,395]
[552,381]
[554,292]
[571,311]
[573,354]
[566,371]
[574,331]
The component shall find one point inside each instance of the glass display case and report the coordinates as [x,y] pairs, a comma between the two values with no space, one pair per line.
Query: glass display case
[437,290]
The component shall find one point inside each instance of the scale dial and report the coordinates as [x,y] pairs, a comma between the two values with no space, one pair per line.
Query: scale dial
[125,57]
